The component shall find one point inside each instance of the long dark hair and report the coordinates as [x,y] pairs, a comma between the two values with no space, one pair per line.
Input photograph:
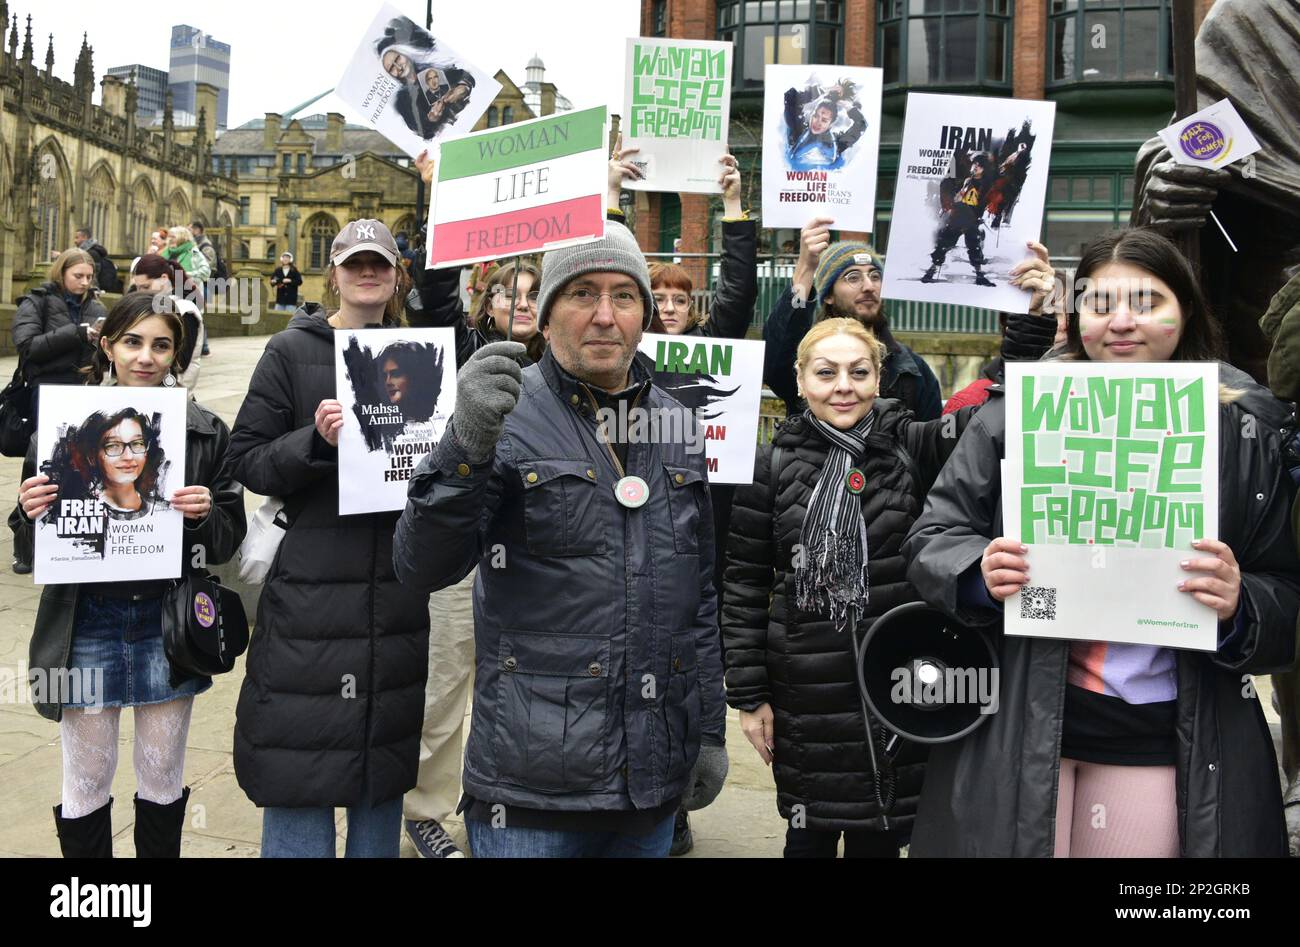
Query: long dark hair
[1202,338]
[74,463]
[126,313]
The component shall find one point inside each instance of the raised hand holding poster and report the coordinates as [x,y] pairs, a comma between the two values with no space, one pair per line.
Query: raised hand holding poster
[398,389]
[1112,472]
[678,110]
[821,142]
[972,181]
[117,455]
[720,382]
[412,86]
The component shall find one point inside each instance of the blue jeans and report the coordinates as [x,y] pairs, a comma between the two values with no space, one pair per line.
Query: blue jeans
[373,831]
[507,842]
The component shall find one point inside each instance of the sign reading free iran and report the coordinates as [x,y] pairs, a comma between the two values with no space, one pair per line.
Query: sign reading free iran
[527,187]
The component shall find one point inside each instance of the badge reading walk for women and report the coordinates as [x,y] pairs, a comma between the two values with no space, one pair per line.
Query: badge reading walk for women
[398,389]
[117,455]
[1111,472]
[1213,137]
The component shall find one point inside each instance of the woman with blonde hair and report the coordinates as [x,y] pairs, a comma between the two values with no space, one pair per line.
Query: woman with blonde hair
[182,250]
[814,556]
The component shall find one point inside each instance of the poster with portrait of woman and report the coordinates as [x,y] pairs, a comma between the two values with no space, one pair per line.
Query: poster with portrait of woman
[412,86]
[117,455]
[398,389]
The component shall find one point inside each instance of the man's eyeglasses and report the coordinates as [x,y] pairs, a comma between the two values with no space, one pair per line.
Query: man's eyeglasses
[585,301]
[115,448]
[678,301]
[501,299]
[857,277]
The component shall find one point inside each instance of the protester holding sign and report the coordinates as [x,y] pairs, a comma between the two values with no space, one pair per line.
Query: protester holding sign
[335,671]
[1170,744]
[598,687]
[813,558]
[846,278]
[105,638]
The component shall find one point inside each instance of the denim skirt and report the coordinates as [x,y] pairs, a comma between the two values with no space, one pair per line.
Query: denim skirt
[117,654]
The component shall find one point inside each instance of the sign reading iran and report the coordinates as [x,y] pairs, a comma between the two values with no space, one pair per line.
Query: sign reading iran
[720,381]
[1111,472]
[522,188]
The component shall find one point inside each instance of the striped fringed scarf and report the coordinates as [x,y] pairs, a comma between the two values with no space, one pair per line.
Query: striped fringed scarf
[832,575]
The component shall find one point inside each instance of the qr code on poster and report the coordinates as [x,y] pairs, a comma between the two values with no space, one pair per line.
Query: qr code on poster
[1038,602]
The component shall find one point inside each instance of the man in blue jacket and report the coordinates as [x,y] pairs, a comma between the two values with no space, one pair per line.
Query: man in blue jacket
[598,699]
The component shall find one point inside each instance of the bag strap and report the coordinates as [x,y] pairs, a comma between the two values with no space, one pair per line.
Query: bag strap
[773,481]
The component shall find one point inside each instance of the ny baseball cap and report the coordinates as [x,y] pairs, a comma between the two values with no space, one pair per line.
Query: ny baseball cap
[358,235]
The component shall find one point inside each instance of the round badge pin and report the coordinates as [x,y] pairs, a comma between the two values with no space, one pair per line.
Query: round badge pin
[855,481]
[632,492]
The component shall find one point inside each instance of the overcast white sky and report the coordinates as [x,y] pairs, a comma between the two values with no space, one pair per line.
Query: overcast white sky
[284,52]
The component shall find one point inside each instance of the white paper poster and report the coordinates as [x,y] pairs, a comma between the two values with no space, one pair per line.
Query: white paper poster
[720,381]
[117,455]
[972,181]
[412,86]
[677,105]
[1111,472]
[1213,137]
[398,389]
[821,145]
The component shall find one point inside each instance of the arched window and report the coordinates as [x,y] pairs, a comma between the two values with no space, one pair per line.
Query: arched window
[100,205]
[321,230]
[507,115]
[407,226]
[144,202]
[178,209]
[51,206]
[241,252]
[492,116]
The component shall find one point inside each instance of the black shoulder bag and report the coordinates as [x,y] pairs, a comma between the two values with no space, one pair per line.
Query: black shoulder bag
[204,625]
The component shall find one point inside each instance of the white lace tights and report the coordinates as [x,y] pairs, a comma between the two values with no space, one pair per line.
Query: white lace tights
[90,754]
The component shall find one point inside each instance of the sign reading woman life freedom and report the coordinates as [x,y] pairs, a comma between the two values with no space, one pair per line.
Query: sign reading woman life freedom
[1111,472]
[527,187]
[821,142]
[398,389]
[720,382]
[117,455]
[411,86]
[678,107]
[972,179]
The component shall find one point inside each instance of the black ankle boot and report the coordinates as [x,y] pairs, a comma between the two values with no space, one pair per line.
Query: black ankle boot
[158,827]
[90,836]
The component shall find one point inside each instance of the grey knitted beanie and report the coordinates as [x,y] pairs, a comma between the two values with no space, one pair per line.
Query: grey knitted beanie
[616,252]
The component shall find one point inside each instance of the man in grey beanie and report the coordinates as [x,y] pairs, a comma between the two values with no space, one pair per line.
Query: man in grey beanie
[598,699]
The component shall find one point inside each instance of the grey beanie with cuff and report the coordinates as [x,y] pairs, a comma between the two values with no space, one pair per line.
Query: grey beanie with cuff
[616,252]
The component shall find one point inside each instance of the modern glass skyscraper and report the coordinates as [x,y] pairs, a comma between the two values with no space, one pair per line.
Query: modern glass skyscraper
[151,87]
[197,57]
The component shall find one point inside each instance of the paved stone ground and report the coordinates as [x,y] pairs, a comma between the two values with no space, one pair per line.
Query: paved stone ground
[742,822]
[223,823]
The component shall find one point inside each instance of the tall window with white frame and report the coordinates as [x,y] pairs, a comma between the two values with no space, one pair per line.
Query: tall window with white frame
[1109,41]
[947,43]
[780,32]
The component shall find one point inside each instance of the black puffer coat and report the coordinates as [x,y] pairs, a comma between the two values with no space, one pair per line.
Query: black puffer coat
[796,661]
[51,343]
[994,792]
[333,694]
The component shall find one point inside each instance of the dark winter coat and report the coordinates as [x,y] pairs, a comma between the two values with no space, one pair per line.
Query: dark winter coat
[219,533]
[51,344]
[994,792]
[333,694]
[286,295]
[904,375]
[597,665]
[778,654]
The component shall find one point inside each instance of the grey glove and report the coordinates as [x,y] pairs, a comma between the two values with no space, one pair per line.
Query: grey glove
[1179,196]
[487,389]
[706,778]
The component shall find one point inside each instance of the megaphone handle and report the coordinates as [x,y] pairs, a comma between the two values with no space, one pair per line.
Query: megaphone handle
[883,779]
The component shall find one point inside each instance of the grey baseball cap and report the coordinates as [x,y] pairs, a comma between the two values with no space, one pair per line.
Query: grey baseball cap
[358,235]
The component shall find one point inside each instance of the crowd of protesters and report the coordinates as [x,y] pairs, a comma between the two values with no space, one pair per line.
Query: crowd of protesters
[633,600]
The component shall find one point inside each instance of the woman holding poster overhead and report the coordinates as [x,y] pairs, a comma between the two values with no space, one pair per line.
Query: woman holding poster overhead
[814,557]
[111,632]
[330,710]
[1101,748]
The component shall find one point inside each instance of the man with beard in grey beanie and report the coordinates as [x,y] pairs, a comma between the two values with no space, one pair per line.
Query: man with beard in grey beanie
[598,699]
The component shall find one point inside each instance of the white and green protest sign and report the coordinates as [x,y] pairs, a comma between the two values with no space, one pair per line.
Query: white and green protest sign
[521,188]
[677,109]
[1111,472]
[720,382]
